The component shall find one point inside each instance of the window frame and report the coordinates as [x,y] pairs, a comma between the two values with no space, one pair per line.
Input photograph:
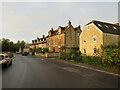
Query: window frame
[84,40]
[94,50]
[94,38]
[88,27]
[84,50]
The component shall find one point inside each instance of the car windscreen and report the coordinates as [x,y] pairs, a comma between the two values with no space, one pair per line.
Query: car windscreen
[1,57]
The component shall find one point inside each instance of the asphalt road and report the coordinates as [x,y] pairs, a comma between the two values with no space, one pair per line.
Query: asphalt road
[38,72]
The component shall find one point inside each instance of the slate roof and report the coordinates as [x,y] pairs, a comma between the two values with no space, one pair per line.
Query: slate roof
[107,27]
[55,32]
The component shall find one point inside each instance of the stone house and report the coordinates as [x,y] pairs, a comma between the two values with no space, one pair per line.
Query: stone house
[67,36]
[97,33]
[38,43]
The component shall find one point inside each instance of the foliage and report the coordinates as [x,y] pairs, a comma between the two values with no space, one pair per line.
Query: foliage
[45,50]
[70,54]
[111,55]
[8,45]
[63,48]
[91,60]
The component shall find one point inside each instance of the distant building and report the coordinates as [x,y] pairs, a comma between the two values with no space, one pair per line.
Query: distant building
[38,43]
[26,48]
[67,36]
[97,33]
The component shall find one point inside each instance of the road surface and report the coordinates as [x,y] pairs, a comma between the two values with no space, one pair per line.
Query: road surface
[38,72]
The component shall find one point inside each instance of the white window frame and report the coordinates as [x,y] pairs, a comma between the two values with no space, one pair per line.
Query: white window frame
[78,34]
[84,39]
[94,38]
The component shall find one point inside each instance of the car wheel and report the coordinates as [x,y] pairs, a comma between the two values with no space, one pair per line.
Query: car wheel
[11,63]
[6,65]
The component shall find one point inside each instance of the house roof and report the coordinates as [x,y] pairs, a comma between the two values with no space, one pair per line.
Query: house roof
[42,42]
[107,27]
[63,29]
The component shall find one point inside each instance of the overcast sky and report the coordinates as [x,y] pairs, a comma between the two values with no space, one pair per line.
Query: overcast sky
[28,20]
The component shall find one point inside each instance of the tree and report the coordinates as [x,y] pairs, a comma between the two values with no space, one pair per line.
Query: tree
[8,45]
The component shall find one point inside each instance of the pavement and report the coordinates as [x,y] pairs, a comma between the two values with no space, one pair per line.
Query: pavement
[40,72]
[91,67]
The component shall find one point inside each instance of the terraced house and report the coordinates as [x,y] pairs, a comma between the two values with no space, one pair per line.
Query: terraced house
[38,43]
[67,36]
[97,33]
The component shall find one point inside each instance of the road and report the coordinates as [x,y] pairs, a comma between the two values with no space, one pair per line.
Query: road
[39,72]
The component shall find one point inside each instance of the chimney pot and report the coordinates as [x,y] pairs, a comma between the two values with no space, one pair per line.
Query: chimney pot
[116,23]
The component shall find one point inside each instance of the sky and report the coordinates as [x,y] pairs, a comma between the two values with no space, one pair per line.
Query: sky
[28,20]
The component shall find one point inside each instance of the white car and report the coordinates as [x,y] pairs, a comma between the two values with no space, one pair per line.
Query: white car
[5,60]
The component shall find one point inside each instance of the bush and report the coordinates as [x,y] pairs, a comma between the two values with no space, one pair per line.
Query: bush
[111,56]
[65,56]
[70,55]
[45,50]
[91,60]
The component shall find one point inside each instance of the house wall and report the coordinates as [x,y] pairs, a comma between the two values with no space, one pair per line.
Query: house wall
[41,45]
[26,49]
[32,46]
[109,39]
[71,37]
[89,45]
[53,42]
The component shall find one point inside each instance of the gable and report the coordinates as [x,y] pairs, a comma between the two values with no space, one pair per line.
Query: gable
[107,27]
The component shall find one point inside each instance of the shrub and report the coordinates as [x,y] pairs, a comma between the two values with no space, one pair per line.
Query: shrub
[91,60]
[111,56]
[70,54]
[45,49]
[65,56]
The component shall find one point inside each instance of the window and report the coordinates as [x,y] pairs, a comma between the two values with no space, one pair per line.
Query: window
[84,39]
[94,50]
[53,49]
[59,42]
[59,31]
[88,27]
[106,26]
[94,38]
[84,50]
[49,42]
[100,25]
[78,34]
[114,27]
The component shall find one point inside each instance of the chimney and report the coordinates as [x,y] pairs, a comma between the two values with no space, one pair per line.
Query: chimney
[51,29]
[43,36]
[69,23]
[37,39]
[116,23]
[79,27]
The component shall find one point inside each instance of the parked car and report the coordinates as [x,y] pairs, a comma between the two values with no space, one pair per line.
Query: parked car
[5,60]
[24,53]
[17,52]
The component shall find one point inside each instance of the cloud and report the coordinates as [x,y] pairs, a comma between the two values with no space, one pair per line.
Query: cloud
[28,20]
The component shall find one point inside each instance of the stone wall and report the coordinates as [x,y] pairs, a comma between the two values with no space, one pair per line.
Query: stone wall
[48,54]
